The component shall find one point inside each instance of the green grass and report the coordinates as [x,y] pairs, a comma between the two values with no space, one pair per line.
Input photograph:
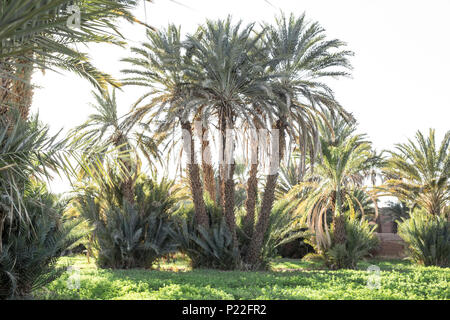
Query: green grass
[289,279]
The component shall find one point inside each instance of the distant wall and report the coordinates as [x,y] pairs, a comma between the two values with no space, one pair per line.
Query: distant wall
[391,245]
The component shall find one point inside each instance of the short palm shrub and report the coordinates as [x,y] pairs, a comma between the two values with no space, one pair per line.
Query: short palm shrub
[427,237]
[360,241]
[207,248]
[284,227]
[130,235]
[213,248]
[32,246]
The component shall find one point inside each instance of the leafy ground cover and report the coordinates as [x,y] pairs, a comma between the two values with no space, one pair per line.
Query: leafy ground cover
[288,279]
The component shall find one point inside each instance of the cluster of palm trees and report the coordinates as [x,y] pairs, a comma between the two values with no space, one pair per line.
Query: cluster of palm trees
[226,76]
[207,96]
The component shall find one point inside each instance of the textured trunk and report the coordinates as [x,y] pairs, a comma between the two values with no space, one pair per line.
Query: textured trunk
[208,171]
[128,190]
[252,190]
[254,251]
[193,169]
[5,85]
[2,223]
[252,185]
[22,91]
[252,197]
[16,93]
[339,236]
[127,184]
[227,167]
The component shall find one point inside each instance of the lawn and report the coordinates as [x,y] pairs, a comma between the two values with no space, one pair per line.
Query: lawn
[288,279]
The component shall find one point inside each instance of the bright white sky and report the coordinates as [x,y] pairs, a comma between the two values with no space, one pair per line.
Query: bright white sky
[401,64]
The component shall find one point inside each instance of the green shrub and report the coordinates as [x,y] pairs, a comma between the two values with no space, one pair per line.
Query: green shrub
[32,247]
[213,248]
[360,241]
[428,238]
[130,235]
[210,248]
[283,227]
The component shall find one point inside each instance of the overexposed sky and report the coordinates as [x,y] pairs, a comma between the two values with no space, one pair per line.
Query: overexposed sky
[401,65]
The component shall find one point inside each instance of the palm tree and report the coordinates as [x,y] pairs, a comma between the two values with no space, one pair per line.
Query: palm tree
[418,172]
[109,132]
[27,153]
[336,183]
[161,65]
[304,59]
[35,34]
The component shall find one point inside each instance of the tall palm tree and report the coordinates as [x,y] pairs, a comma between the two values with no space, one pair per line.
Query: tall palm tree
[304,60]
[107,131]
[418,172]
[161,65]
[228,71]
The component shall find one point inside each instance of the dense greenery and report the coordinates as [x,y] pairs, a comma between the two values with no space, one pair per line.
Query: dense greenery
[360,240]
[263,88]
[289,279]
[129,235]
[32,247]
[428,238]
[229,75]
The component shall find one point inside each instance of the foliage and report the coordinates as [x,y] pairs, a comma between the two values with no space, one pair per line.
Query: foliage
[288,279]
[32,247]
[206,248]
[427,237]
[213,248]
[229,75]
[40,27]
[27,150]
[335,184]
[130,235]
[418,173]
[284,227]
[360,241]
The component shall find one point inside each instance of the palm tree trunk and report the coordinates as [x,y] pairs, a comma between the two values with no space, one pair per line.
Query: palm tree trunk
[127,184]
[193,169]
[252,189]
[5,85]
[22,91]
[208,172]
[254,251]
[339,220]
[252,197]
[227,171]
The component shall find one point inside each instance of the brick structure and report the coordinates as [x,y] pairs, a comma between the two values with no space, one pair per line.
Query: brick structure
[391,245]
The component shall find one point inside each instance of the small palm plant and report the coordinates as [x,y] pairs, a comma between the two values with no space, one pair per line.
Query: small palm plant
[418,173]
